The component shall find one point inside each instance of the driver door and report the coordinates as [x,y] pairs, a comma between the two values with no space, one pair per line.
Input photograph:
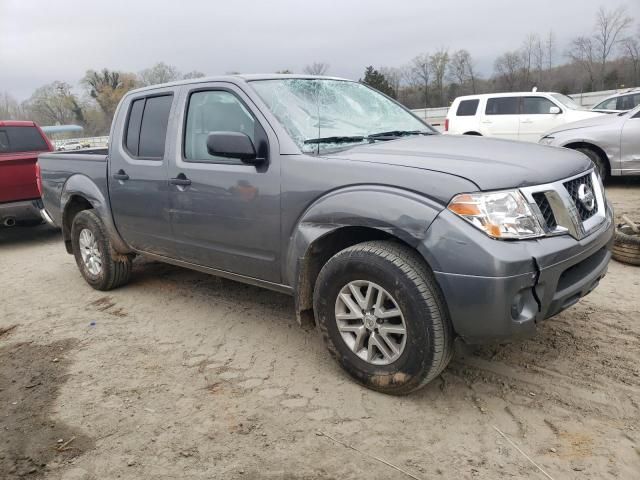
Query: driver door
[225,213]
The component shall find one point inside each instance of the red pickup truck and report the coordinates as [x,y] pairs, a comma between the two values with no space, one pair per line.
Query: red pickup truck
[20,144]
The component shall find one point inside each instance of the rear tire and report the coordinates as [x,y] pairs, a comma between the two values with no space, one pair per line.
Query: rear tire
[94,255]
[411,288]
[595,157]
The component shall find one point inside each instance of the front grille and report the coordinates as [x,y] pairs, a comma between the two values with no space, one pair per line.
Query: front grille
[572,187]
[545,209]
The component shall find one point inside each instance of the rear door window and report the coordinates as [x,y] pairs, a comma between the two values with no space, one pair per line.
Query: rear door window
[146,130]
[502,106]
[537,106]
[627,102]
[467,108]
[21,139]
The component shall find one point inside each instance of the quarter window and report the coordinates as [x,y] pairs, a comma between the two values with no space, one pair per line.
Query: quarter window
[537,106]
[214,111]
[133,126]
[467,108]
[502,106]
[147,126]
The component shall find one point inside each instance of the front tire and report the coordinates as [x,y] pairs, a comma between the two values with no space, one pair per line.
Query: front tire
[96,260]
[596,159]
[381,315]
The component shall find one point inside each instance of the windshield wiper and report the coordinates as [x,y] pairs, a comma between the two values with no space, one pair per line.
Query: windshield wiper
[374,136]
[397,133]
[355,138]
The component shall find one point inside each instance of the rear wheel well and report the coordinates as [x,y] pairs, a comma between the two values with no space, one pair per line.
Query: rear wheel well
[317,255]
[594,148]
[477,134]
[75,205]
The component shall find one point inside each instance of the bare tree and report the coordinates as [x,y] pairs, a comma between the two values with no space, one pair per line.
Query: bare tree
[193,74]
[317,68]
[419,74]
[610,25]
[550,47]
[508,68]
[631,51]
[583,53]
[528,54]
[159,73]
[54,104]
[10,109]
[394,78]
[538,60]
[107,88]
[438,63]
[462,69]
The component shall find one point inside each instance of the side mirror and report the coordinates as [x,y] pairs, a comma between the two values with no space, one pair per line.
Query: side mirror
[554,110]
[232,145]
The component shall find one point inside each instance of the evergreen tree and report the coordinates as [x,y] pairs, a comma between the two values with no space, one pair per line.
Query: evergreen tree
[377,80]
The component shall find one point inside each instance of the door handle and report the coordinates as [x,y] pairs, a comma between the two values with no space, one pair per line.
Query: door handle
[487,122]
[180,180]
[121,175]
[527,121]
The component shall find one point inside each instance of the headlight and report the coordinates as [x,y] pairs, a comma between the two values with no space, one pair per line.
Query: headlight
[503,215]
[548,140]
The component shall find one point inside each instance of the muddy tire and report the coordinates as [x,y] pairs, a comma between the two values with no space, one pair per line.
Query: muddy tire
[405,298]
[626,246]
[597,160]
[94,255]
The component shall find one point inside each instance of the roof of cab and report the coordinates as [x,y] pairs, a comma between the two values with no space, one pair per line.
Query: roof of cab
[240,78]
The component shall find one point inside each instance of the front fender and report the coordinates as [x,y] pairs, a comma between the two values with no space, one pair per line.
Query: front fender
[79,185]
[610,147]
[400,213]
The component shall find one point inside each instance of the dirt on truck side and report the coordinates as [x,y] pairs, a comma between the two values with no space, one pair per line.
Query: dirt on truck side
[184,375]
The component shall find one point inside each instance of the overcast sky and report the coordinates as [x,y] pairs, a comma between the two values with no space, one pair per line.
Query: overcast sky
[46,40]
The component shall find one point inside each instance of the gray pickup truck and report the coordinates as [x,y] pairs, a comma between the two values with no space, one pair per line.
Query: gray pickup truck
[392,238]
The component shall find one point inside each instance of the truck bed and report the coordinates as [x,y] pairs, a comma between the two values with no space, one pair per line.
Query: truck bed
[58,167]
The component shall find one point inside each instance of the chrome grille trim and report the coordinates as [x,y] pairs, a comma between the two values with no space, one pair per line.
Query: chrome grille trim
[563,205]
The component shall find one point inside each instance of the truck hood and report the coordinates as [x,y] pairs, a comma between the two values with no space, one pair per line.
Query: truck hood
[586,123]
[491,164]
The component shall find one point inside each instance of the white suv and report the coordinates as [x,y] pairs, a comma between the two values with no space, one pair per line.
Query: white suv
[516,115]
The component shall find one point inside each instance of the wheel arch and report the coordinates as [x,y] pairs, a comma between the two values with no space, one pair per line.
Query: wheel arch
[473,133]
[81,193]
[593,147]
[345,218]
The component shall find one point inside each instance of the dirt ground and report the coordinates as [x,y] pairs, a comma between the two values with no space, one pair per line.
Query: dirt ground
[183,375]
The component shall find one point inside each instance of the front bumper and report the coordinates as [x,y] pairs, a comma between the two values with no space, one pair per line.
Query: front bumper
[497,290]
[17,212]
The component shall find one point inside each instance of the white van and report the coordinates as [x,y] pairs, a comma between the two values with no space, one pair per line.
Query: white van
[522,116]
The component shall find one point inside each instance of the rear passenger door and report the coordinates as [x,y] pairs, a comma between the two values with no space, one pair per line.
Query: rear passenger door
[138,185]
[501,118]
[536,118]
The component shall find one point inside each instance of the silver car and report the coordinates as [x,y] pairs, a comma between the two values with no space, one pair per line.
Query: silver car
[620,102]
[612,142]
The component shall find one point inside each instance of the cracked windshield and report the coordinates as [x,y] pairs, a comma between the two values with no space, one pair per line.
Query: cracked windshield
[322,115]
